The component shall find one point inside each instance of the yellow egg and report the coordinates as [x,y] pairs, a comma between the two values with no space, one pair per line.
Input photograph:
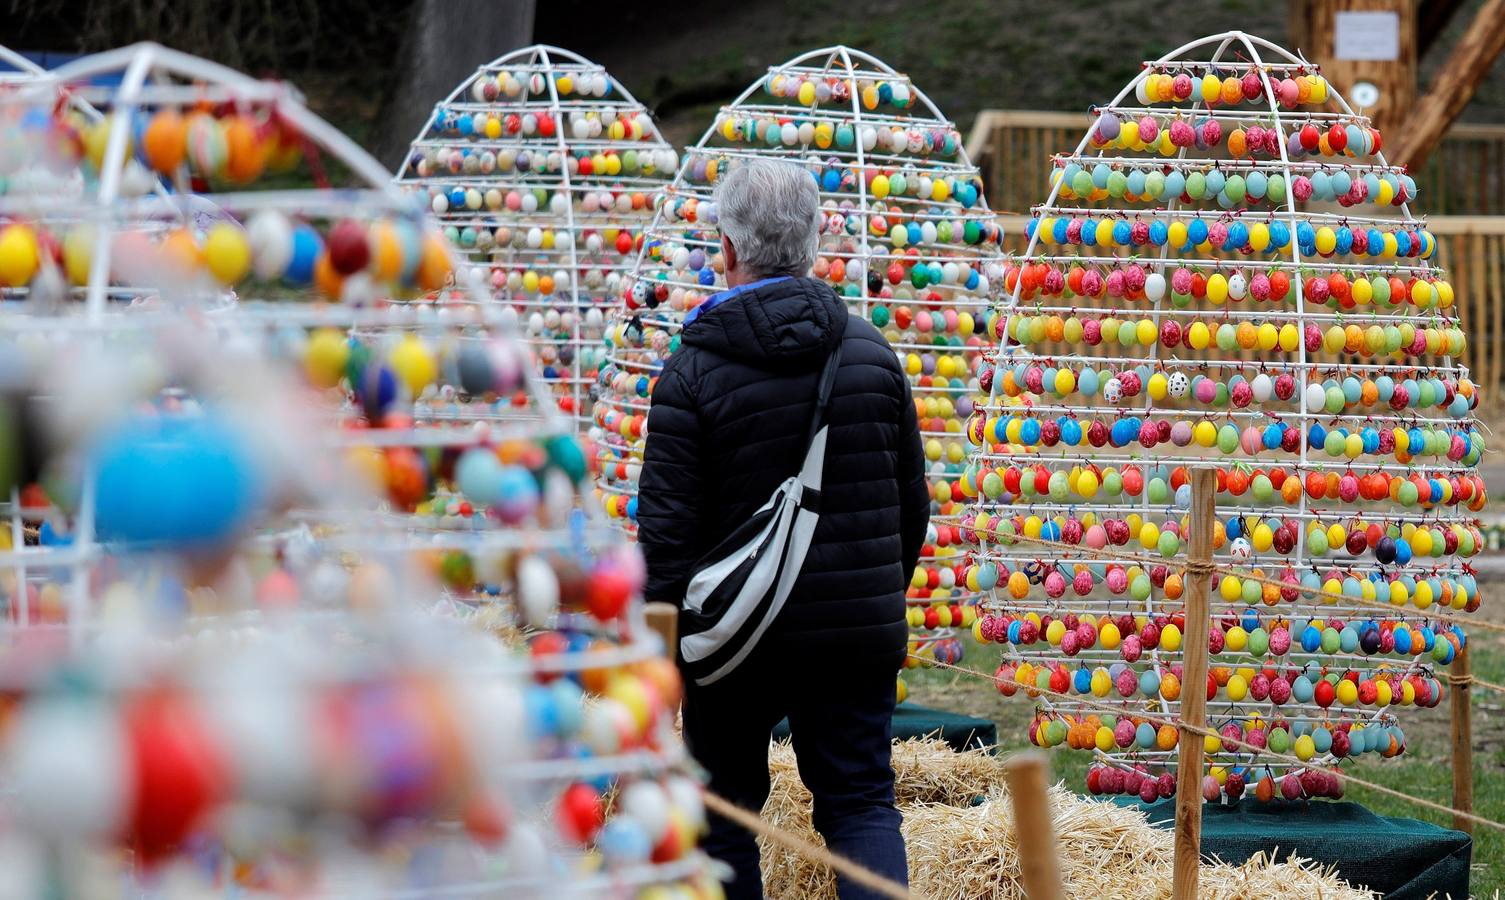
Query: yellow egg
[325,357]
[414,364]
[227,253]
[19,255]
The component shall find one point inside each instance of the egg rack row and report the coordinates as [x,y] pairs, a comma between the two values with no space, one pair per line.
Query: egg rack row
[1237,636]
[1182,179]
[1168,133]
[542,168]
[1182,334]
[1317,235]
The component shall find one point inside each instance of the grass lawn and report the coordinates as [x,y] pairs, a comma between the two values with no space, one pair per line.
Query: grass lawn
[1424,771]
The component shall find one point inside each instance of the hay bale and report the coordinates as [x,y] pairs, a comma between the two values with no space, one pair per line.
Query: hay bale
[963,850]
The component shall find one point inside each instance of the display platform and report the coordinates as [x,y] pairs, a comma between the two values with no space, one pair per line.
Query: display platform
[1401,859]
[961,732]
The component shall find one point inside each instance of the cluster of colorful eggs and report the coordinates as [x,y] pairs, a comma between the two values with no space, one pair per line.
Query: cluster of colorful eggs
[1228,182]
[542,168]
[1169,134]
[347,261]
[1337,291]
[1231,780]
[1350,397]
[1404,341]
[1351,486]
[1225,85]
[1193,233]
[226,145]
[1234,635]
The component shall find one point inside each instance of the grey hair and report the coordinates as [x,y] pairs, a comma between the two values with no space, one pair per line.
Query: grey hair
[770,211]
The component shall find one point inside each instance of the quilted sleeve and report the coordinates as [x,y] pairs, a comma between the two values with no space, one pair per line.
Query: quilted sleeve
[670,495]
[914,489]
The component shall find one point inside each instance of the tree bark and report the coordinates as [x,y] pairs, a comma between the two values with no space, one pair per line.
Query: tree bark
[445,41]
[1467,65]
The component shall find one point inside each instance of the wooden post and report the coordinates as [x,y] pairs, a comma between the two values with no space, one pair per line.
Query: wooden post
[663,620]
[1204,486]
[1453,86]
[1463,742]
[1314,30]
[1039,866]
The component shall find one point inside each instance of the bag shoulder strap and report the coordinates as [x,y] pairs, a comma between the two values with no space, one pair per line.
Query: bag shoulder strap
[815,438]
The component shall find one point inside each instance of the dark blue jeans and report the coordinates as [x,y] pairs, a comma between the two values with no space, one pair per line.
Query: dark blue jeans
[840,720]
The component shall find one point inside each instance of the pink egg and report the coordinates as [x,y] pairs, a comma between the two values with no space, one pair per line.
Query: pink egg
[1206,390]
[1097,537]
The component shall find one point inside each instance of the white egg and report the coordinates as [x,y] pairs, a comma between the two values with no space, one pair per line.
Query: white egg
[271,238]
[67,776]
[537,591]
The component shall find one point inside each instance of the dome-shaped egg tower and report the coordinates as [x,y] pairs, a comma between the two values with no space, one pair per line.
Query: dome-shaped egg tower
[1227,272]
[234,521]
[908,240]
[544,169]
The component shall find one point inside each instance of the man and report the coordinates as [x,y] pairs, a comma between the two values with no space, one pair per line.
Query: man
[727,425]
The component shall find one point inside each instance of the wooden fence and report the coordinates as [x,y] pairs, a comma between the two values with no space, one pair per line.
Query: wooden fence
[1466,176]
[1471,249]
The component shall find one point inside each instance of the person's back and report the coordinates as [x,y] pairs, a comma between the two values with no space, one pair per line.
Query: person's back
[727,425]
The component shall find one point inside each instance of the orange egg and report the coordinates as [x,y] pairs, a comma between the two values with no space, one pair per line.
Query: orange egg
[181,252]
[329,281]
[165,141]
[433,270]
[247,152]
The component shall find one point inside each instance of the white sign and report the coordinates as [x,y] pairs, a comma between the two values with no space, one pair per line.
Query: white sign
[1367,35]
[1364,94]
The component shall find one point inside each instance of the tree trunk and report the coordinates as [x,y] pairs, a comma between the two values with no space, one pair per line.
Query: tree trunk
[1314,30]
[445,41]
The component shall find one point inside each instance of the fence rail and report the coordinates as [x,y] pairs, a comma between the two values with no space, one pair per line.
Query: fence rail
[1472,251]
[1465,176]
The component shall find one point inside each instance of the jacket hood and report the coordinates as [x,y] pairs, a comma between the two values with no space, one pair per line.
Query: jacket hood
[787,323]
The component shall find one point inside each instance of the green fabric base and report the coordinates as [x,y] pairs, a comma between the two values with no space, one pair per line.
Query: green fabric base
[1401,859]
[961,732]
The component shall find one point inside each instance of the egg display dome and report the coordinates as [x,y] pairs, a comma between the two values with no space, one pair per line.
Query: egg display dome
[543,169]
[907,239]
[1227,272]
[258,543]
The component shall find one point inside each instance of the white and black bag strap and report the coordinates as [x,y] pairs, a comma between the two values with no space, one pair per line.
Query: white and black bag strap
[813,469]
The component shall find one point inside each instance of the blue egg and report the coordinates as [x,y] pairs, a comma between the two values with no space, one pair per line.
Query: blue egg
[183,481]
[1100,174]
[1029,431]
[1014,632]
[1385,385]
[1280,235]
[307,245]
[1144,735]
[1316,436]
[1122,233]
[1255,185]
[1071,430]
[1345,239]
[1216,181]
[1322,186]
[1196,231]
[377,391]
[1136,182]
[1301,686]
[1175,186]
[1306,235]
[1356,140]
[1311,639]
[1348,638]
[542,713]
[1402,640]
[1159,233]
[1059,229]
[1341,182]
[1402,244]
[1376,242]
[1234,527]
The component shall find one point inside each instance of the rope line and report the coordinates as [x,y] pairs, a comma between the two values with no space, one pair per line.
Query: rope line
[1242,744]
[813,852]
[1223,568]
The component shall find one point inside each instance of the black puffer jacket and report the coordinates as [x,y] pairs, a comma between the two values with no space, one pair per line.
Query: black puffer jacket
[727,425]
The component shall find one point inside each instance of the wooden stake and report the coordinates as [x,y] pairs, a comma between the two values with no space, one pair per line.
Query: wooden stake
[1039,866]
[663,619]
[1463,742]
[1453,86]
[1194,686]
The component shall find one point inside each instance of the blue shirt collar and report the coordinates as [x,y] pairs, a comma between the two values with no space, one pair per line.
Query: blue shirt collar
[717,299]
